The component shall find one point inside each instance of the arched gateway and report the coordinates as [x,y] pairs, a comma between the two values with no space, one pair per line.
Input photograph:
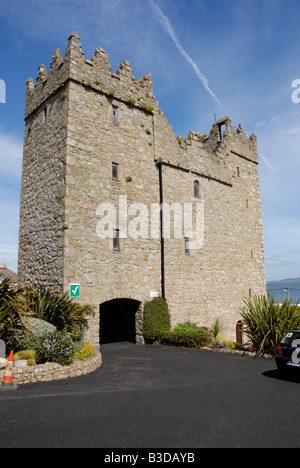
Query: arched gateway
[120,320]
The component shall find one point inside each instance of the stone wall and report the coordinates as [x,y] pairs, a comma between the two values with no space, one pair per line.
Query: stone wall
[98,118]
[52,371]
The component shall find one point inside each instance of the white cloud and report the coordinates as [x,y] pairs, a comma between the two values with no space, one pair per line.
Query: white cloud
[170,31]
[11,149]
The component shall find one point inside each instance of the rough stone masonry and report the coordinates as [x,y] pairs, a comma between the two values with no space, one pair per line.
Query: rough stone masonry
[93,136]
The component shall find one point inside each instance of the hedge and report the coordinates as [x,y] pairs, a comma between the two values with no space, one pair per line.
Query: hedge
[156,318]
[157,327]
[186,339]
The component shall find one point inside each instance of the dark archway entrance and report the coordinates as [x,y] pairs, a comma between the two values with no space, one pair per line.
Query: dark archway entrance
[118,319]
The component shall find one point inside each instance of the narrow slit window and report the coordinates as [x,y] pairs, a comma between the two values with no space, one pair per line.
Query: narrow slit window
[221,131]
[116,240]
[114,114]
[247,203]
[196,189]
[187,245]
[115,171]
[238,172]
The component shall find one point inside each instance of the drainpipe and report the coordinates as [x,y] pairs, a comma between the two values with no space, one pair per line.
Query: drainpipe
[161,201]
[162,240]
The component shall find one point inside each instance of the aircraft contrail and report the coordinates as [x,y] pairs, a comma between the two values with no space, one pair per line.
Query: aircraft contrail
[169,29]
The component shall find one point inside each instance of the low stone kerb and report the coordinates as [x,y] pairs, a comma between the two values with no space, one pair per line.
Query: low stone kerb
[52,371]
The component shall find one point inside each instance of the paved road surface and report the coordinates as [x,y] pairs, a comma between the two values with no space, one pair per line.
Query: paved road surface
[154,397]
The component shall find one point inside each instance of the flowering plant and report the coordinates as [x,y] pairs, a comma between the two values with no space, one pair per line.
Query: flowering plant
[85,352]
[56,347]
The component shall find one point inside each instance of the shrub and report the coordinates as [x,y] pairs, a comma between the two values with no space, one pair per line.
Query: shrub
[216,328]
[86,351]
[56,347]
[13,308]
[146,109]
[192,328]
[156,318]
[28,354]
[60,311]
[266,322]
[191,339]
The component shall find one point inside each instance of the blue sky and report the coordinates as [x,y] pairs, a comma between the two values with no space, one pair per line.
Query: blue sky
[238,57]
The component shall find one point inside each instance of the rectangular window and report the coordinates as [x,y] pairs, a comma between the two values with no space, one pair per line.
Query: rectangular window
[115,171]
[238,172]
[116,240]
[114,114]
[187,245]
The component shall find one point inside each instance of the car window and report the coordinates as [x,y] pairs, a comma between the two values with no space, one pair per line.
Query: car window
[290,337]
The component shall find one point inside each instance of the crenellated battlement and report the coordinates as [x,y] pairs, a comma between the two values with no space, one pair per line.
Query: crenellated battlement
[96,73]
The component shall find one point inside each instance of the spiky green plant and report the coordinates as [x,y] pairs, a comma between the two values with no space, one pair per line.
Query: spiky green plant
[216,328]
[59,310]
[266,321]
[13,307]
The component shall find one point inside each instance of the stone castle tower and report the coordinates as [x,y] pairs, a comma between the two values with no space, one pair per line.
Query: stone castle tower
[96,141]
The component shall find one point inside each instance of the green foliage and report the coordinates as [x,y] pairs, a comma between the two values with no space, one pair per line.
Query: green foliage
[156,318]
[192,336]
[131,102]
[59,310]
[266,322]
[56,347]
[27,316]
[216,328]
[83,351]
[146,109]
[28,354]
[13,308]
[29,336]
[186,327]
[188,339]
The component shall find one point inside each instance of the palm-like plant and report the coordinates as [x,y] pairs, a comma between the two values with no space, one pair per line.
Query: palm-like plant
[59,310]
[13,307]
[266,321]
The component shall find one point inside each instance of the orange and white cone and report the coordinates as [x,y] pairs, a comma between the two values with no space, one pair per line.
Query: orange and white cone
[7,381]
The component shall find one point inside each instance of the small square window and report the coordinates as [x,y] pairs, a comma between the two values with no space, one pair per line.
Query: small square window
[116,240]
[115,171]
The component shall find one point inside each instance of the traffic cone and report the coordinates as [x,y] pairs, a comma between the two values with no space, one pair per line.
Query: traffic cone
[7,381]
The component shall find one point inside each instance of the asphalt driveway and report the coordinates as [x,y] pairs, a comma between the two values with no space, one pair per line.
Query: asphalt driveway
[156,397]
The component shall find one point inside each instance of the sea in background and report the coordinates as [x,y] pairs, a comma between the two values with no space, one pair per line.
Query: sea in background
[277,289]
